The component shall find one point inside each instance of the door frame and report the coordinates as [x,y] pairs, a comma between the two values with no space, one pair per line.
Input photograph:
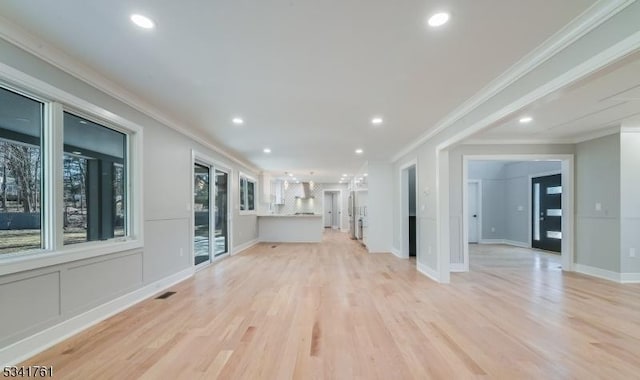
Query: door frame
[340,206]
[403,181]
[465,212]
[568,181]
[213,165]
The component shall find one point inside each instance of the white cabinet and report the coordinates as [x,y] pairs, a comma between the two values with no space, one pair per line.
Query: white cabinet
[277,192]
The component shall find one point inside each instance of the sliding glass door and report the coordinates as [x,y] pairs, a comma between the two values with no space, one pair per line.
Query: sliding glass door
[201,215]
[221,213]
[210,213]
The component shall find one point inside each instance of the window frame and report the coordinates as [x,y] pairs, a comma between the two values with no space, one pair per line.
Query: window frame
[56,101]
[246,211]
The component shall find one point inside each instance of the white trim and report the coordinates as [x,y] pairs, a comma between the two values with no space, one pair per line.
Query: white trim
[32,345]
[425,270]
[457,267]
[515,243]
[586,68]
[404,211]
[24,40]
[598,13]
[537,141]
[397,254]
[244,246]
[597,272]
[491,241]
[630,278]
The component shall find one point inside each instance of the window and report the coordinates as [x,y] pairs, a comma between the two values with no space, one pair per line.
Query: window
[64,179]
[94,181]
[21,123]
[247,194]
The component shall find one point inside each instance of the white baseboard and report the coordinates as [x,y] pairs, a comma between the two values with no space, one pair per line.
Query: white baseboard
[344,230]
[425,270]
[30,346]
[630,278]
[457,267]
[597,272]
[505,241]
[514,243]
[491,241]
[396,253]
[245,246]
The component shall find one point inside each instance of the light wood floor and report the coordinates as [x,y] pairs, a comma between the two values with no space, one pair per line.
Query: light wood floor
[332,311]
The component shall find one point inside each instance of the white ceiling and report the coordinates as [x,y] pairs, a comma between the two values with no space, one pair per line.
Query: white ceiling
[590,107]
[306,76]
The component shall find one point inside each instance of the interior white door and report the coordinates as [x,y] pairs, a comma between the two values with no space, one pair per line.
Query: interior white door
[474,217]
[328,209]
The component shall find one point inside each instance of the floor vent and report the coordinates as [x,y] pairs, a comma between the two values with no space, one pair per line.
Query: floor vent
[165,295]
[273,246]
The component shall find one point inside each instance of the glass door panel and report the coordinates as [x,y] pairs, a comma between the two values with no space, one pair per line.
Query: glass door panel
[202,215]
[221,213]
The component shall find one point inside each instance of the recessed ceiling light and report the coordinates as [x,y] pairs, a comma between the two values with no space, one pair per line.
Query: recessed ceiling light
[83,122]
[526,119]
[142,21]
[438,19]
[365,174]
[76,152]
[290,174]
[237,121]
[344,175]
[359,151]
[376,121]
[266,150]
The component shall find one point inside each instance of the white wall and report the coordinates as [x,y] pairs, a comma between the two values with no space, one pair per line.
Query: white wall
[380,207]
[48,296]
[630,200]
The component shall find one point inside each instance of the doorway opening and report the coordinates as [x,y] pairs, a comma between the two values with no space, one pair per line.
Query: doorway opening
[332,209]
[516,204]
[409,211]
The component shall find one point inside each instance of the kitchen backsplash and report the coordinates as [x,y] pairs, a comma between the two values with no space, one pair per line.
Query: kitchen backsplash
[293,205]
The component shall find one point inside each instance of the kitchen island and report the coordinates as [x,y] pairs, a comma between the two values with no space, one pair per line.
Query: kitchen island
[277,228]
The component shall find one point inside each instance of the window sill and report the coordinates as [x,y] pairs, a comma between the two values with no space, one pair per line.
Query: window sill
[252,212]
[40,259]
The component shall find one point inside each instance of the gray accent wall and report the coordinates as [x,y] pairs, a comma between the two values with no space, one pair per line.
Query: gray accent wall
[505,196]
[44,297]
[598,182]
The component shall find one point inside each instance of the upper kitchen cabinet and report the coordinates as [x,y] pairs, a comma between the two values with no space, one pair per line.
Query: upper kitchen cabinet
[277,187]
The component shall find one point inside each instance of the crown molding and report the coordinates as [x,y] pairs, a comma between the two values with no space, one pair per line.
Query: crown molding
[550,141]
[590,19]
[23,39]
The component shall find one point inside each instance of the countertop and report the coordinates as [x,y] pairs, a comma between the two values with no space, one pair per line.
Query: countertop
[289,216]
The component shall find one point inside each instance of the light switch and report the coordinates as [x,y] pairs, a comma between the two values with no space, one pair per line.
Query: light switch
[598,206]
[520,208]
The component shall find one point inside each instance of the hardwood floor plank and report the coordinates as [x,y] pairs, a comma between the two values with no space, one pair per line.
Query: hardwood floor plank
[333,311]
